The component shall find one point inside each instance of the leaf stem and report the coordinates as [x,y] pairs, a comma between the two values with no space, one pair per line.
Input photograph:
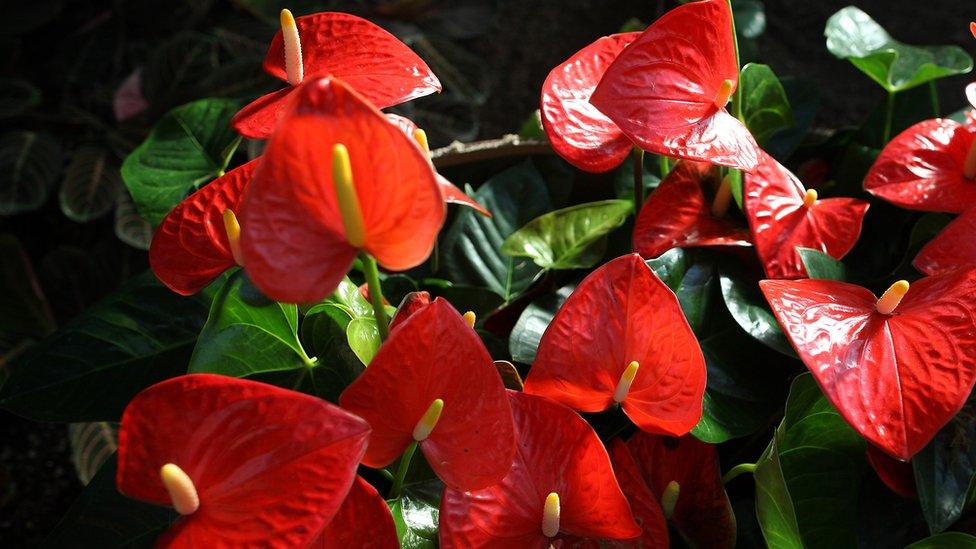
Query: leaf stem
[889,114]
[402,470]
[737,96]
[638,168]
[934,95]
[372,273]
[664,164]
[738,470]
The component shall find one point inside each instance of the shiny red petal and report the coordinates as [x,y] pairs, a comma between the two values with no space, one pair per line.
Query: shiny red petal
[412,303]
[703,514]
[190,247]
[374,62]
[258,118]
[363,521]
[621,313]
[662,88]
[895,378]
[953,248]
[643,501]
[282,459]
[434,354]
[678,214]
[293,240]
[578,132]
[780,222]
[898,476]
[921,168]
[558,452]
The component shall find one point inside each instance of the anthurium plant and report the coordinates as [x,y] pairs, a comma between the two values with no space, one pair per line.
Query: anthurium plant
[670,313]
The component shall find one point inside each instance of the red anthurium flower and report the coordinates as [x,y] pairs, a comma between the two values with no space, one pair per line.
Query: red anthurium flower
[336,178]
[931,166]
[621,338]
[784,216]
[898,476]
[199,238]
[219,449]
[578,132]
[433,382]
[686,473]
[668,89]
[371,60]
[688,209]
[953,248]
[897,368]
[362,521]
[452,194]
[560,486]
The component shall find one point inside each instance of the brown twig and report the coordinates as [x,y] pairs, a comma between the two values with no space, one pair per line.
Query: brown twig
[507,145]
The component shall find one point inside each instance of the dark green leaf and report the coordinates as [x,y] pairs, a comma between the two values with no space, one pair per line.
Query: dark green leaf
[750,310]
[822,266]
[416,515]
[764,103]
[532,323]
[324,335]
[692,277]
[130,227]
[176,66]
[93,366]
[24,310]
[92,444]
[812,502]
[804,98]
[853,35]
[17,96]
[750,18]
[568,238]
[945,470]
[471,249]
[91,184]
[946,540]
[188,147]
[30,163]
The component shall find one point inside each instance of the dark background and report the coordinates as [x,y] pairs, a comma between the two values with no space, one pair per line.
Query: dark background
[517,46]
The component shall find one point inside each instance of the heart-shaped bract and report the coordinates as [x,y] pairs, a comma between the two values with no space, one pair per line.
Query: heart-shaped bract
[577,130]
[621,315]
[374,62]
[560,454]
[282,459]
[363,521]
[953,248]
[295,241]
[897,378]
[702,513]
[191,248]
[435,356]
[679,213]
[784,216]
[668,89]
[923,167]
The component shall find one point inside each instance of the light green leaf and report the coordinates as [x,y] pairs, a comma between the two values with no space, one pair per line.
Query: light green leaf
[764,103]
[30,163]
[364,338]
[822,266]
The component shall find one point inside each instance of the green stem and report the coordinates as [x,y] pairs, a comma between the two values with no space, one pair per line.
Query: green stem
[934,95]
[638,168]
[738,470]
[402,470]
[664,164]
[372,273]
[386,474]
[737,96]
[889,114]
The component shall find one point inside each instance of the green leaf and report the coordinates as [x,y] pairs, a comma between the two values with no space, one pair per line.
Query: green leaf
[17,96]
[91,184]
[804,98]
[764,103]
[568,238]
[130,227]
[177,65]
[750,18]
[471,250]
[750,310]
[532,323]
[188,147]
[692,277]
[822,266]
[945,470]
[853,35]
[364,338]
[93,366]
[416,513]
[812,501]
[25,313]
[324,335]
[92,444]
[30,163]
[947,540]
[241,340]
[102,517]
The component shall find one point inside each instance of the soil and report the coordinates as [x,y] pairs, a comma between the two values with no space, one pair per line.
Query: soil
[37,482]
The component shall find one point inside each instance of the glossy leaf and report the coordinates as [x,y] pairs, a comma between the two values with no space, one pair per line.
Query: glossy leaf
[750,18]
[416,515]
[565,239]
[692,278]
[401,205]
[679,214]
[324,334]
[622,313]
[946,540]
[30,163]
[532,323]
[471,248]
[363,520]
[764,102]
[853,35]
[820,265]
[750,310]
[435,355]
[91,184]
[509,514]
[291,476]
[577,130]
[782,221]
[678,112]
[364,338]
[952,248]
[189,146]
[92,366]
[897,379]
